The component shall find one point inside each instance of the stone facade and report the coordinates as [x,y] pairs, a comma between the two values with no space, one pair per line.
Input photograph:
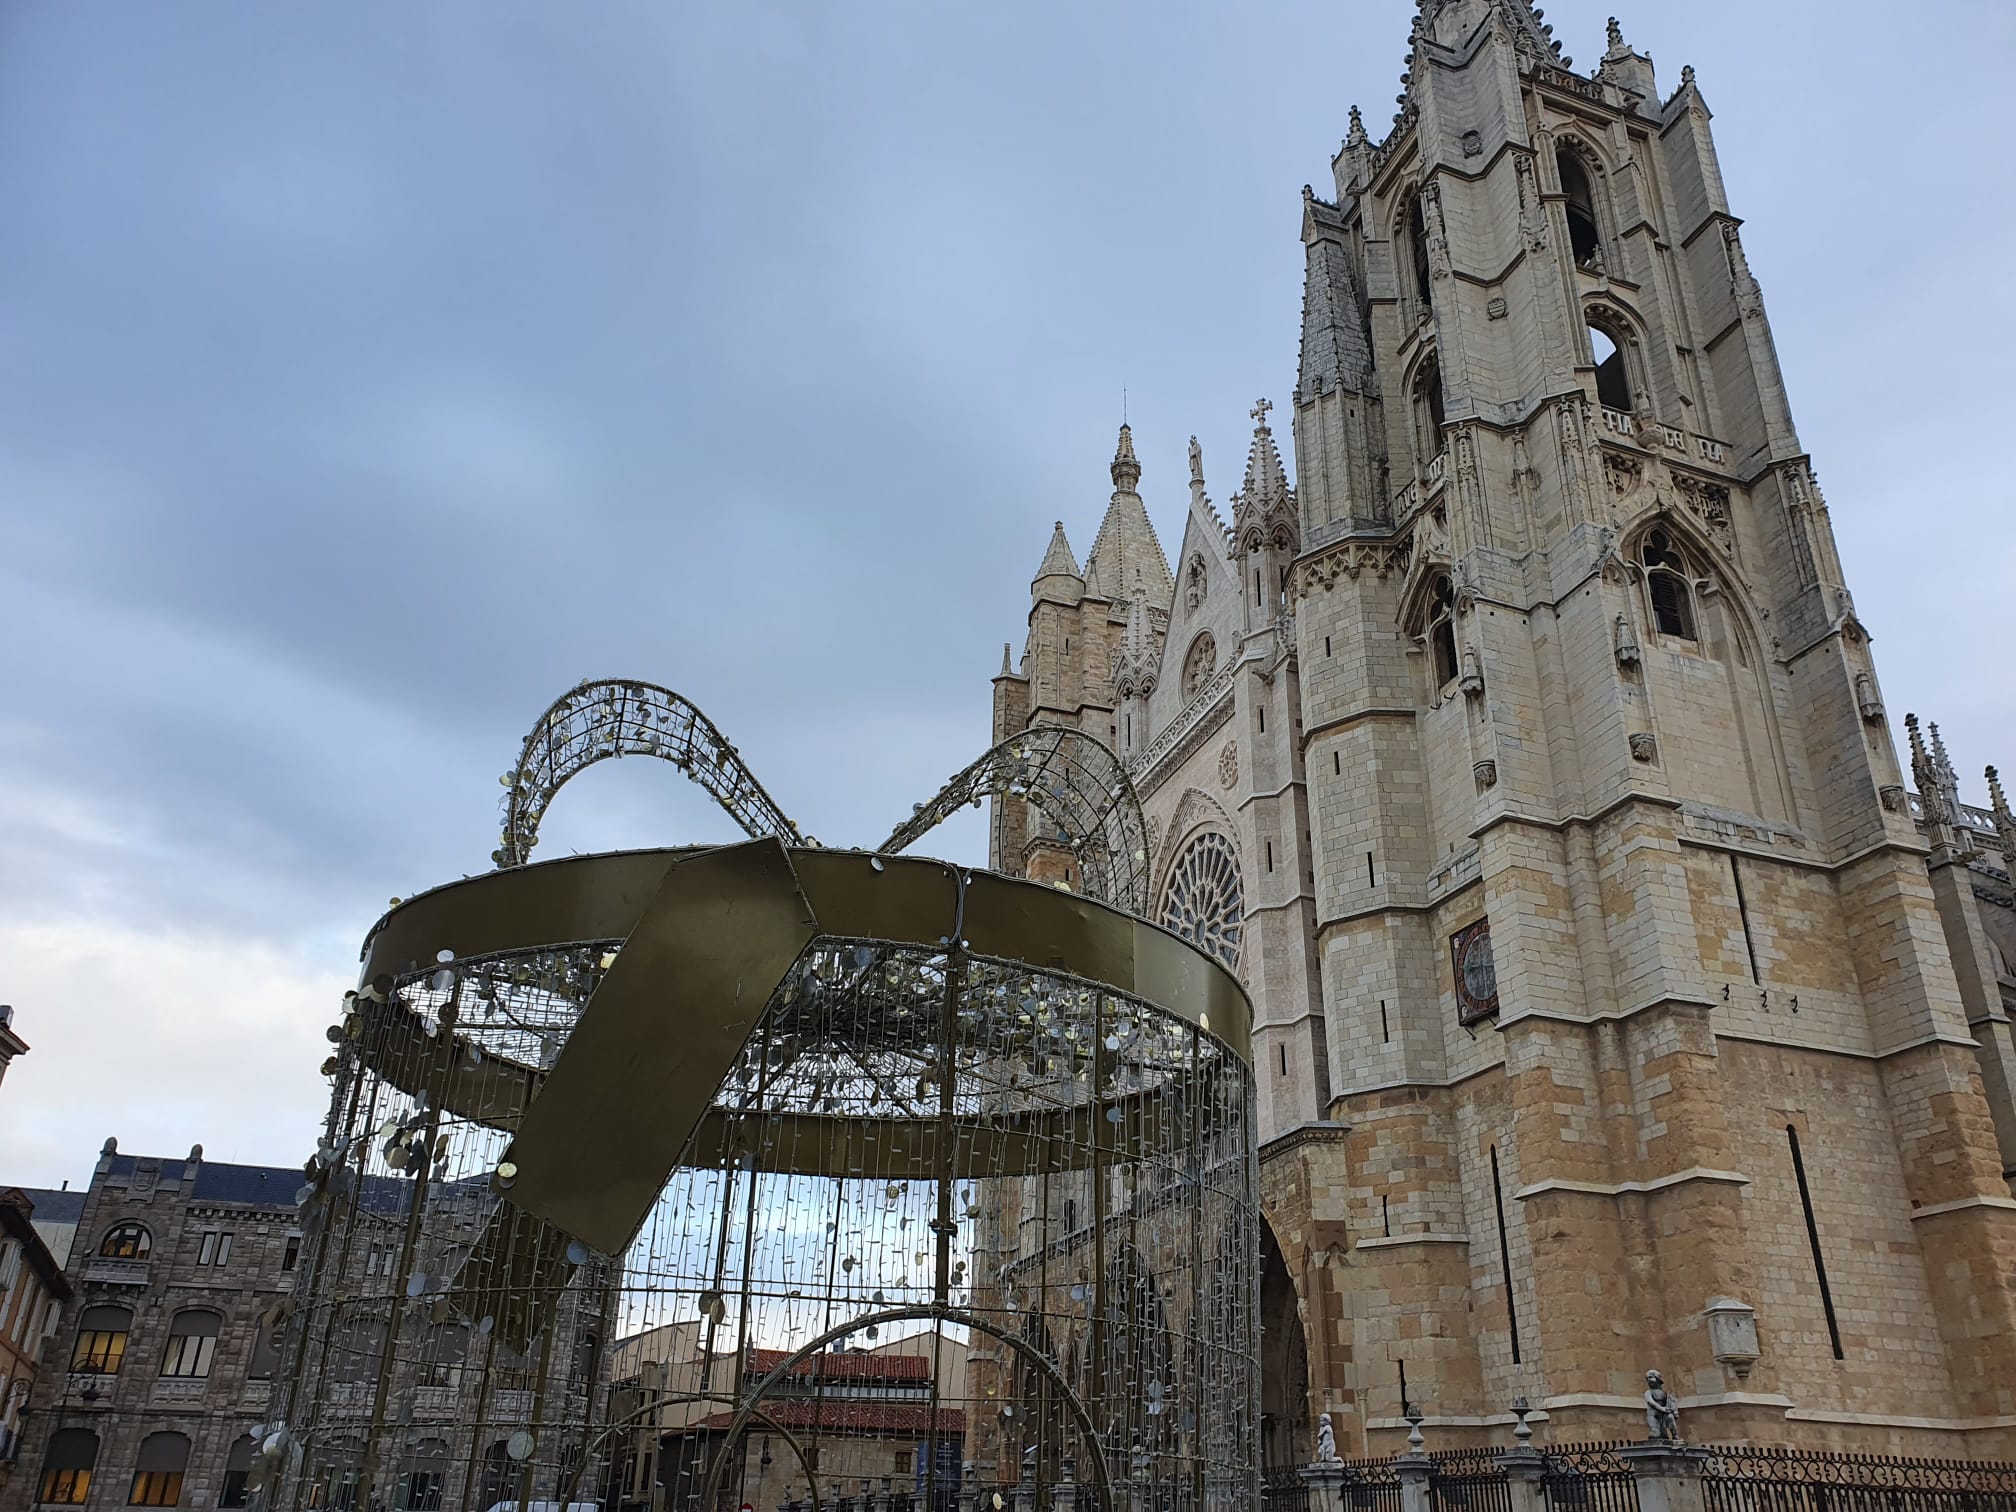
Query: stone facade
[32,1293]
[1617,1005]
[160,1358]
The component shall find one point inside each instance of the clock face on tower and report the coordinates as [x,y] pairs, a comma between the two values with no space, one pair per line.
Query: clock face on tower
[1476,973]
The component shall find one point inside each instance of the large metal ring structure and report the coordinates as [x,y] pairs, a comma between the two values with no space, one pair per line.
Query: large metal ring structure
[634,1160]
[1082,791]
[600,719]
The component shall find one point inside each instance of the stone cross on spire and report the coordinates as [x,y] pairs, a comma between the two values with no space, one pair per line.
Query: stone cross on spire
[1259,412]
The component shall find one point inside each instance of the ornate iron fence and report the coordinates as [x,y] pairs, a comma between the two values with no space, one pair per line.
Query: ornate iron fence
[1370,1485]
[1808,1480]
[1469,1480]
[1282,1489]
[1589,1478]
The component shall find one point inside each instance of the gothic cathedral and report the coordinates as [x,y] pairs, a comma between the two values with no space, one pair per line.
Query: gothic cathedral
[1618,1006]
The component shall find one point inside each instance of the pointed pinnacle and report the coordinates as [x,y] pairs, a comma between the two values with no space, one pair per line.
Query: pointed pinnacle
[1126,468]
[1996,800]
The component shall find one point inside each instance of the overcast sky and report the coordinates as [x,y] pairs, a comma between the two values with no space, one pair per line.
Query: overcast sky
[371,373]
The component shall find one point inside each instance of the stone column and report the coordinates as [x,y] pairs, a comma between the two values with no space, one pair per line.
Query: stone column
[1415,1494]
[1064,1496]
[1669,1475]
[1525,1478]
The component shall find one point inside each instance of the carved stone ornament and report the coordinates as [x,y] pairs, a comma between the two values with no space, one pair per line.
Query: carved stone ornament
[1709,503]
[1627,644]
[1732,1335]
[1892,794]
[1623,473]
[1643,746]
[1228,764]
[1866,699]
[1472,682]
[1486,773]
[1495,307]
[1348,560]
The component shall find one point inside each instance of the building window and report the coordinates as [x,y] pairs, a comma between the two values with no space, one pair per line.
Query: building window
[1613,381]
[101,1340]
[157,1474]
[1417,248]
[1584,239]
[1668,582]
[237,1473]
[291,1256]
[215,1249]
[447,1347]
[1428,412]
[1476,972]
[359,1343]
[129,1241]
[265,1351]
[1442,630]
[192,1344]
[424,1473]
[66,1471]
[1205,903]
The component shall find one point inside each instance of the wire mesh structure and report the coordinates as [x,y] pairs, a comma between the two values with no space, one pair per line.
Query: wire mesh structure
[776,1176]
[1082,793]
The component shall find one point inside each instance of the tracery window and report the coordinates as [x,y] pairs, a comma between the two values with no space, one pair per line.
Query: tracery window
[1205,903]
[1199,664]
[1613,379]
[1669,584]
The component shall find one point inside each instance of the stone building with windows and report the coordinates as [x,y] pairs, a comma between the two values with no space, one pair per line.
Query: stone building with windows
[161,1359]
[32,1293]
[1617,1006]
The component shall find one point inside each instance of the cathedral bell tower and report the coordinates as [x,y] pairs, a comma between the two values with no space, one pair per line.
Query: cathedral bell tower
[1637,1007]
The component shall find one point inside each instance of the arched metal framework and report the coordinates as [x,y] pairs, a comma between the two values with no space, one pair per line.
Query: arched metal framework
[1082,791]
[612,717]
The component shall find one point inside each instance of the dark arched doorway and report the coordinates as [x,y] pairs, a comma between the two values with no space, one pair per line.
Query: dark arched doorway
[1286,1434]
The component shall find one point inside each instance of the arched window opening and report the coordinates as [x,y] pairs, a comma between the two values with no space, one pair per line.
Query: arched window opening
[1584,239]
[129,1241]
[496,1478]
[1613,383]
[101,1340]
[446,1348]
[354,1355]
[1428,411]
[66,1470]
[339,1466]
[1417,247]
[157,1473]
[1205,903]
[192,1344]
[1669,583]
[237,1491]
[1442,630]
[423,1476]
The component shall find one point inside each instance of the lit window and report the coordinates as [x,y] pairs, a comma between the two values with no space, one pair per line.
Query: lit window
[1668,583]
[192,1344]
[66,1472]
[101,1340]
[129,1241]
[157,1474]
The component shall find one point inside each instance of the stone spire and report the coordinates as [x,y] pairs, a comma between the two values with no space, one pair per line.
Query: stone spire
[1126,470]
[2005,823]
[1266,484]
[1938,790]
[1058,560]
[1335,352]
[1126,559]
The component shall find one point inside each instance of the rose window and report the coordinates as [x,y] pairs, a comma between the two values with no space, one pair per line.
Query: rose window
[1205,903]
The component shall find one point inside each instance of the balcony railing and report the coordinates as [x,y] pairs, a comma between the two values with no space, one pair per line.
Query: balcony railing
[117,1272]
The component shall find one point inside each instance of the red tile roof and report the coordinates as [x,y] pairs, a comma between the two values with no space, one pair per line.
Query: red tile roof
[856,1367]
[848,1417]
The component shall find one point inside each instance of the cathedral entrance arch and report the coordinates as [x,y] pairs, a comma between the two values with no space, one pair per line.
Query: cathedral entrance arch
[1286,1435]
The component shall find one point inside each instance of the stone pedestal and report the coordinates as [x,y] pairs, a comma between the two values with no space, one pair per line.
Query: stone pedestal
[1024,1497]
[1416,1495]
[1525,1479]
[969,1489]
[1669,1475]
[1325,1480]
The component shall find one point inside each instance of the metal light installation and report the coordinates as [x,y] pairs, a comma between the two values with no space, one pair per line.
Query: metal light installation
[637,1162]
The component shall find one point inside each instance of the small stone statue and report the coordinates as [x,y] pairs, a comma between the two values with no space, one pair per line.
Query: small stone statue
[1326,1441]
[1662,1413]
